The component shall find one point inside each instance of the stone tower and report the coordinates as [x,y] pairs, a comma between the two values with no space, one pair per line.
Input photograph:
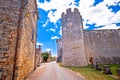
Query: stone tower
[73,39]
[59,50]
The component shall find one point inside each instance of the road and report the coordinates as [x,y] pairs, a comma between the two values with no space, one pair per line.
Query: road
[52,71]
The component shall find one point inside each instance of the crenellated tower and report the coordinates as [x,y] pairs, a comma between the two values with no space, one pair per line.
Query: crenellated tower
[73,39]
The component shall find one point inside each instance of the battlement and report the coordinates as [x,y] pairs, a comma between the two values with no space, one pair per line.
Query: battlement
[76,10]
[69,10]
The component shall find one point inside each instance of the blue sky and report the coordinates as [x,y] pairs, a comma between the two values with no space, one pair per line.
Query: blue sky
[96,14]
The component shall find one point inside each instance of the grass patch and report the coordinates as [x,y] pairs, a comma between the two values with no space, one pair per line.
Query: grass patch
[113,68]
[92,74]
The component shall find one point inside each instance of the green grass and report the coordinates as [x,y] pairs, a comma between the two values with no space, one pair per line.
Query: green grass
[113,68]
[92,74]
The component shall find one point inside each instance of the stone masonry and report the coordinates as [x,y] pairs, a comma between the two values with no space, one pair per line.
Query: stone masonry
[59,47]
[81,47]
[103,46]
[73,39]
[9,17]
[17,38]
[38,56]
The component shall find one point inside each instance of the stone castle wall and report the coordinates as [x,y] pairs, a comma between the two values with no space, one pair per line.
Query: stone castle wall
[17,44]
[73,39]
[27,41]
[103,46]
[59,50]
[9,17]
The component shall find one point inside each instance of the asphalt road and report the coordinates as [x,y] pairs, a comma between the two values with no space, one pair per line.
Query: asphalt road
[52,71]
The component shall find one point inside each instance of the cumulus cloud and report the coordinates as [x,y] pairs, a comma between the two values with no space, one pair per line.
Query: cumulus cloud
[39,44]
[111,26]
[51,29]
[48,49]
[60,7]
[54,37]
[44,25]
[99,14]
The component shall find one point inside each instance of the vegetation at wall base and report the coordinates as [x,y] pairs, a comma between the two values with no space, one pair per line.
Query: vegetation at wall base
[113,68]
[93,74]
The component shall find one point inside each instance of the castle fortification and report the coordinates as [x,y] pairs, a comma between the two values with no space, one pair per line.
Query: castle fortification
[73,39]
[103,46]
[81,47]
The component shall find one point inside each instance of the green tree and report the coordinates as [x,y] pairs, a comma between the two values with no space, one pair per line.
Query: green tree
[45,56]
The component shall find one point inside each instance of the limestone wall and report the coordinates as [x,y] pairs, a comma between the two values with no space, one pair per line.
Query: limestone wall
[59,50]
[103,46]
[9,17]
[17,38]
[27,41]
[73,40]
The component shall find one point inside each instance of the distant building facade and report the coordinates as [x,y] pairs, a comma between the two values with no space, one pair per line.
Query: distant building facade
[82,47]
[38,56]
[17,38]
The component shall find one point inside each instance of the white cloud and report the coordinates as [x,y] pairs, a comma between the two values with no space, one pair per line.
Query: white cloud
[51,29]
[48,49]
[84,24]
[60,32]
[39,44]
[54,37]
[111,26]
[56,26]
[44,25]
[59,5]
[99,14]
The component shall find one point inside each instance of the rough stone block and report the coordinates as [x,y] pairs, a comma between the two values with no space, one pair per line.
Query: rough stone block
[106,69]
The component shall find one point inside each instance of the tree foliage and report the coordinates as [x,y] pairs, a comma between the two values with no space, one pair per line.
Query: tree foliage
[45,56]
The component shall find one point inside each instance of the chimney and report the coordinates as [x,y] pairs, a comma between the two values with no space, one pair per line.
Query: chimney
[39,47]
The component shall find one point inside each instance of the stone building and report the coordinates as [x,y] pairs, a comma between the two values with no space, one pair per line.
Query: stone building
[17,38]
[38,56]
[81,47]
[59,50]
